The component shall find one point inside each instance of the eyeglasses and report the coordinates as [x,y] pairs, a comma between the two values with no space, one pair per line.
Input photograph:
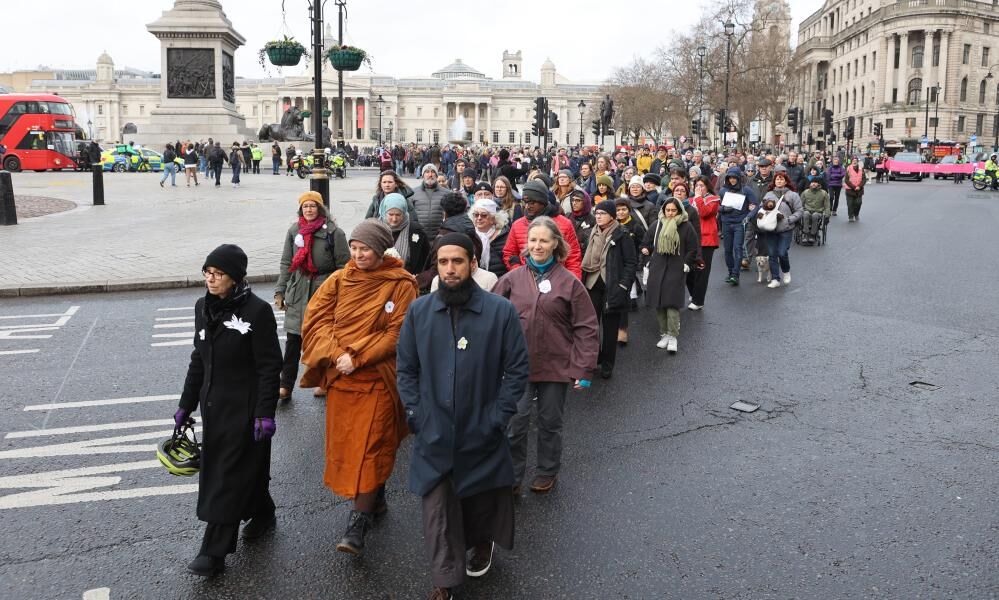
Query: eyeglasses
[213,275]
[480,215]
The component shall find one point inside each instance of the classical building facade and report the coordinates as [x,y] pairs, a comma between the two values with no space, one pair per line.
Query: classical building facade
[915,66]
[454,103]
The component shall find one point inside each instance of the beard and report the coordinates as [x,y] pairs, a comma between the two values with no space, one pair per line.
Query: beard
[457,295]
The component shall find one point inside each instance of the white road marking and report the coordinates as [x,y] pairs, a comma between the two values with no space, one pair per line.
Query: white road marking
[174,319]
[87,428]
[41,316]
[97,594]
[11,333]
[30,329]
[190,308]
[188,324]
[110,445]
[7,352]
[62,320]
[177,343]
[68,486]
[108,402]
[183,334]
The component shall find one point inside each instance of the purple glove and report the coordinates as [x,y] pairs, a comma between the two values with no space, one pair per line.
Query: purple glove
[180,417]
[263,428]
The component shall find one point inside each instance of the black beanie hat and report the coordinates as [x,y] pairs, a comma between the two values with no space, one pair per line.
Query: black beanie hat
[457,239]
[536,191]
[607,206]
[230,259]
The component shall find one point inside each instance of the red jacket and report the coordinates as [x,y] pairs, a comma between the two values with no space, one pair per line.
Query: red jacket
[707,208]
[516,242]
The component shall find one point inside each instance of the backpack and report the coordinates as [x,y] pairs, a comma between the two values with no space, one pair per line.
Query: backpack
[169,156]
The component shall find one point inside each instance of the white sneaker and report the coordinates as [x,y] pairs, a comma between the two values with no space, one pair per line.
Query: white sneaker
[671,344]
[773,284]
[787,278]
[693,306]
[663,340]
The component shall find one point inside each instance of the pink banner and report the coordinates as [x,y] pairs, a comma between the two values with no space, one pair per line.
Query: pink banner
[905,167]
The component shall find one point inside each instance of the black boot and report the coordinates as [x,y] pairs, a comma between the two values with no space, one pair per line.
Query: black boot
[353,539]
[207,566]
[381,504]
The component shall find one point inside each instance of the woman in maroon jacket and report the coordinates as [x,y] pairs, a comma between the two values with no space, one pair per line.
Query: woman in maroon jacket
[560,326]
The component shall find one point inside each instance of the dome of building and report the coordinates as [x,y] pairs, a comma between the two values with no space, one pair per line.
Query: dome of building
[548,65]
[458,70]
[105,59]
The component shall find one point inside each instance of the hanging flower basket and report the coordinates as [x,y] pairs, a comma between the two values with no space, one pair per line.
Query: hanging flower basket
[306,114]
[327,114]
[347,58]
[282,53]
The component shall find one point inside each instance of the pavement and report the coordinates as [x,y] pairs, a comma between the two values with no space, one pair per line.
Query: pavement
[869,470]
[145,237]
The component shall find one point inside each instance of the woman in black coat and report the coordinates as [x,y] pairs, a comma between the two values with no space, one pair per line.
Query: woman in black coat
[609,265]
[234,376]
[674,248]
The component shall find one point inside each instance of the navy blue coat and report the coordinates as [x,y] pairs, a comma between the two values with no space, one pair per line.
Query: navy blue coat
[460,395]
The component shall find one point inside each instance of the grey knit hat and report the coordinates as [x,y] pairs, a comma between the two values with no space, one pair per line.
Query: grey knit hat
[374,234]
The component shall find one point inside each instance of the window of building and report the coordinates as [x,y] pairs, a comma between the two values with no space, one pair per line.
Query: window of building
[863,62]
[853,100]
[548,137]
[985,56]
[862,96]
[874,59]
[934,122]
[495,137]
[915,87]
[402,111]
[979,124]
[960,124]
[933,94]
[889,123]
[897,53]
[511,137]
[511,112]
[981,92]
[910,122]
[402,135]
[917,57]
[142,110]
[435,136]
[966,55]
[936,55]
[997,95]
[847,70]
[527,138]
[419,111]
[100,109]
[419,136]
[964,90]
[437,112]
[894,95]
[986,27]
[124,109]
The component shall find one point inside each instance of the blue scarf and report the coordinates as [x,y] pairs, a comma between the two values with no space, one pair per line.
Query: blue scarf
[543,267]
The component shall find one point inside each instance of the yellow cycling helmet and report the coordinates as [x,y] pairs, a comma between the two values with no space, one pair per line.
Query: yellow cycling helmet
[180,454]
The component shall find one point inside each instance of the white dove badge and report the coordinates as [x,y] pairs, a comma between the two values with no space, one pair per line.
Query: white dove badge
[243,327]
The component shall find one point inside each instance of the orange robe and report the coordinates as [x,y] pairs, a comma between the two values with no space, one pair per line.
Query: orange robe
[358,312]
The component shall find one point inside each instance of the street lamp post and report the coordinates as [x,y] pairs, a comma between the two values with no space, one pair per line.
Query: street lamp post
[390,133]
[380,102]
[701,53]
[936,113]
[729,32]
[90,129]
[995,124]
[582,109]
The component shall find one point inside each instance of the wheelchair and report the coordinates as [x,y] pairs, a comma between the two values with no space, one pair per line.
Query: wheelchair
[820,237]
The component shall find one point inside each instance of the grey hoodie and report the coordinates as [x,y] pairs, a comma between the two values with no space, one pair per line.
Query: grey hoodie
[790,206]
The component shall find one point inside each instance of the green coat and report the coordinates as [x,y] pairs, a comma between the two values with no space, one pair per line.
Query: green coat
[296,287]
[816,201]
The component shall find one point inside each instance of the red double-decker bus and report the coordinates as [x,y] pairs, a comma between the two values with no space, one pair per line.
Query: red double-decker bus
[38,131]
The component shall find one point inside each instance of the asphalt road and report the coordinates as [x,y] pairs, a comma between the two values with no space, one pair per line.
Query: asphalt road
[849,482]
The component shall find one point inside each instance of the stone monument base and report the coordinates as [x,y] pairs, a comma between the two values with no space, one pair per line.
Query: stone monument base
[170,125]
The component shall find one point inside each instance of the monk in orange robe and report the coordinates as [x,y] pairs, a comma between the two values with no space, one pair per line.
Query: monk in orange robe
[349,338]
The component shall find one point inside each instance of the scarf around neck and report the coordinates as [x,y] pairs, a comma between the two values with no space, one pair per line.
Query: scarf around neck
[215,308]
[303,256]
[595,259]
[401,234]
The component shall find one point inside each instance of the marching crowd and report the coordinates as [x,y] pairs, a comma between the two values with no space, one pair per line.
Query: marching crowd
[459,305]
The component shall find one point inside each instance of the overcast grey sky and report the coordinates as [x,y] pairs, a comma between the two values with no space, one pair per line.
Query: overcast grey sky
[404,37]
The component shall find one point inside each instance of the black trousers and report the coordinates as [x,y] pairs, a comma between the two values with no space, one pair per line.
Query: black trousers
[220,538]
[697,279]
[609,321]
[292,356]
[217,172]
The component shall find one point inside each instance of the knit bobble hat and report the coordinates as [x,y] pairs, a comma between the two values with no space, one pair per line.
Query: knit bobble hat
[310,195]
[230,259]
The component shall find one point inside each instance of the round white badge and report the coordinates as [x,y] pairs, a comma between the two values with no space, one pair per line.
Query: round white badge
[389,306]
[545,286]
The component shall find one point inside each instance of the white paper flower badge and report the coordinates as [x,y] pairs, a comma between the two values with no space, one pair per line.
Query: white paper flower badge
[393,253]
[415,237]
[238,324]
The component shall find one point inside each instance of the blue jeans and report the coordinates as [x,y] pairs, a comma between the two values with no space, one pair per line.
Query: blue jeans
[276,165]
[203,165]
[734,235]
[777,246]
[398,166]
[236,168]
[169,170]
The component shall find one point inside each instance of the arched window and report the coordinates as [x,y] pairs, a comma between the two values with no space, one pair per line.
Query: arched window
[964,90]
[915,87]
[997,95]
[981,92]
[862,96]
[917,57]
[853,102]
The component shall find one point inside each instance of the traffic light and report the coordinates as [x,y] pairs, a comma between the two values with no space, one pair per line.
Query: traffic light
[596,127]
[877,130]
[539,116]
[811,140]
[827,116]
[720,119]
[553,122]
[695,127]
[792,119]
[848,132]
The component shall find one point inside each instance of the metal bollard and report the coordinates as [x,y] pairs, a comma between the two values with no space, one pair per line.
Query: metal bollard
[98,184]
[8,211]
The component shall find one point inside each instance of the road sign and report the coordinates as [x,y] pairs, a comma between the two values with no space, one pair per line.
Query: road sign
[925,140]
[973,138]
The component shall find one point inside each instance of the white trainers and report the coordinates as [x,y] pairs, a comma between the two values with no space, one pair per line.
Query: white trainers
[693,306]
[670,344]
[787,278]
[663,339]
[773,284]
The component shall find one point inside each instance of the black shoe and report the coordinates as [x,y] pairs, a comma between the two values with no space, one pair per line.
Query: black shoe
[381,504]
[207,566]
[353,539]
[258,526]
[480,561]
[605,372]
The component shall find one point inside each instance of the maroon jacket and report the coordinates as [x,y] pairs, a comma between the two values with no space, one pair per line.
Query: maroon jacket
[560,326]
